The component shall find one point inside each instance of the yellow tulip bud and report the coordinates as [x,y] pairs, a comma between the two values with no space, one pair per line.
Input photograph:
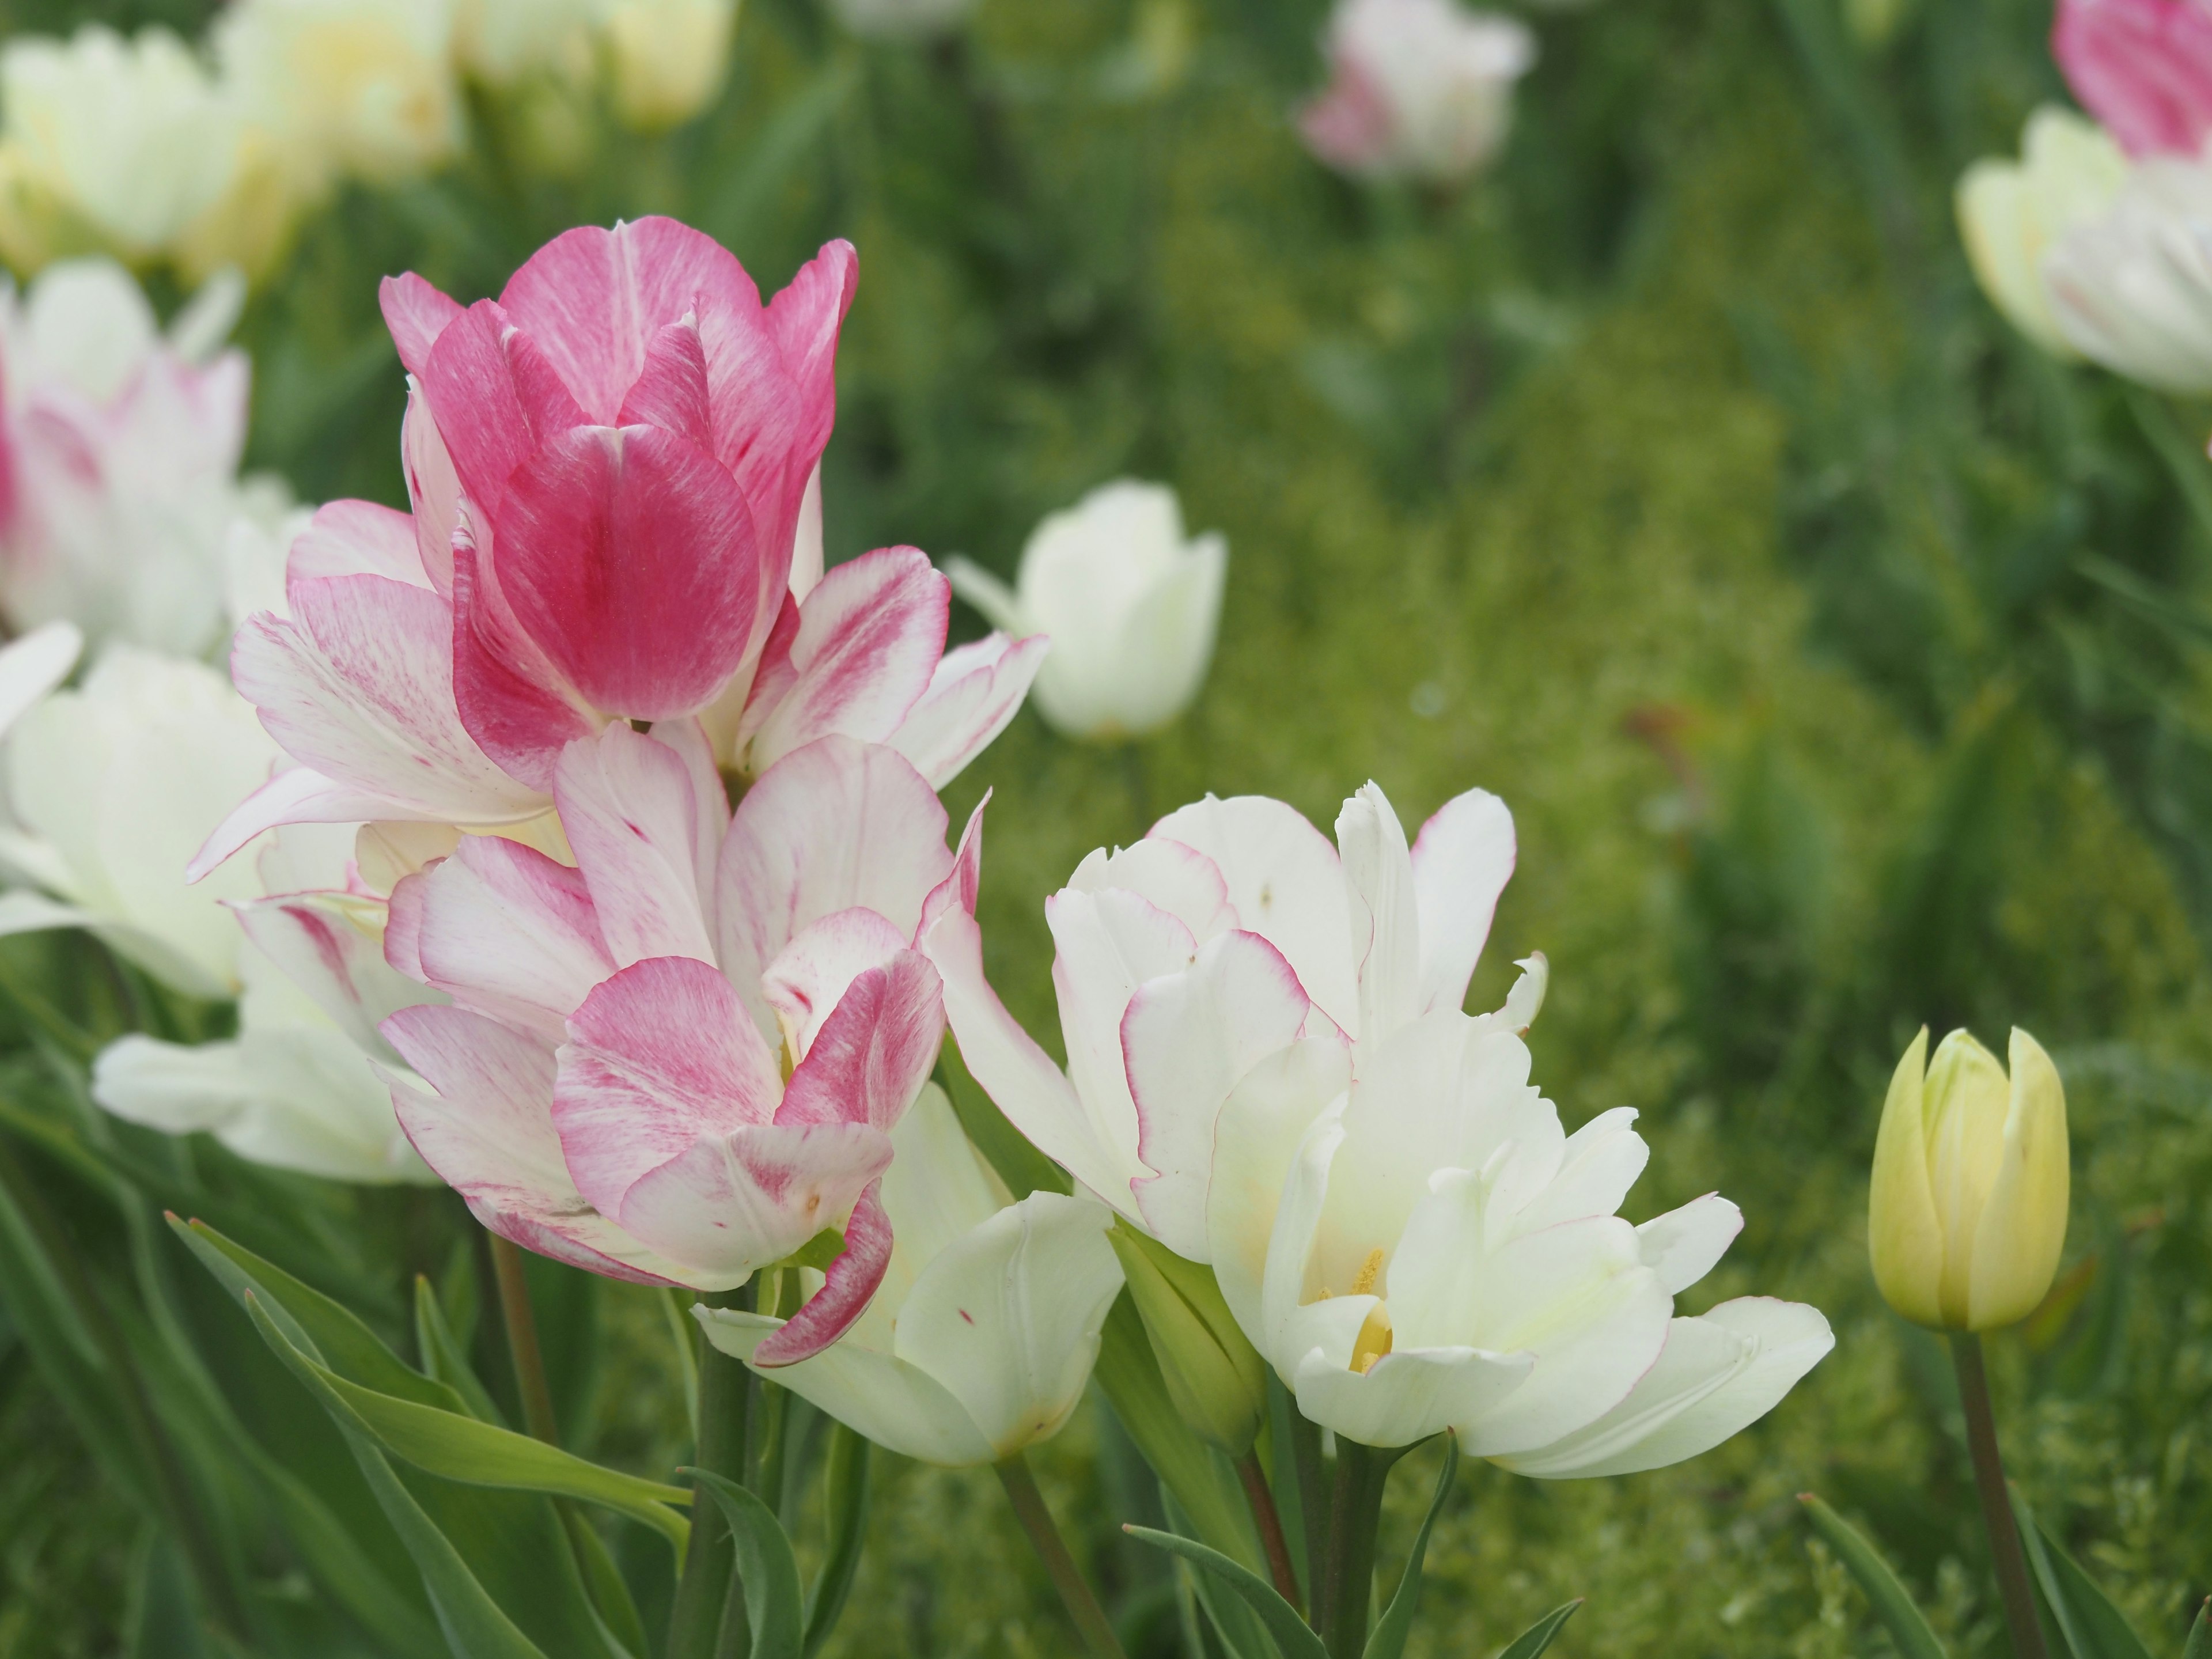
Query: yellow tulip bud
[1214,1374]
[1968,1210]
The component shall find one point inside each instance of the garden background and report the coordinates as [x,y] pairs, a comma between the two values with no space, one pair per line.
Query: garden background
[1844,661]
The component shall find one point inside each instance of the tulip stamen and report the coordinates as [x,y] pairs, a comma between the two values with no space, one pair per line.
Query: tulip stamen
[1374,1339]
[1363,1283]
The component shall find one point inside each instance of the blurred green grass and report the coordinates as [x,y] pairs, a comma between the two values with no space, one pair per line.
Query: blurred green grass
[1673,484]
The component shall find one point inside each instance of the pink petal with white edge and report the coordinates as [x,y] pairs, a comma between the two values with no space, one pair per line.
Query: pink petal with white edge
[630,806]
[485,1129]
[417,314]
[510,699]
[434,489]
[1187,1040]
[333,962]
[868,639]
[804,983]
[737,1202]
[300,795]
[973,693]
[671,392]
[874,1051]
[505,931]
[846,1290]
[775,391]
[660,1058]
[628,556]
[835,824]
[1462,860]
[355,538]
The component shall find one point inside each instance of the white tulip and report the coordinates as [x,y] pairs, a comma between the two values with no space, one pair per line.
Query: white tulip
[2010,213]
[1131,605]
[901,19]
[131,139]
[1419,89]
[500,41]
[296,1089]
[669,56]
[360,88]
[125,445]
[112,788]
[982,1335]
[2131,289]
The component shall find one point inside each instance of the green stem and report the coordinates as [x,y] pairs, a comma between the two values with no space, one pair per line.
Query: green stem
[2184,455]
[1074,1593]
[2005,1552]
[724,1392]
[64,1032]
[1305,1456]
[522,1341]
[1264,1515]
[1355,1515]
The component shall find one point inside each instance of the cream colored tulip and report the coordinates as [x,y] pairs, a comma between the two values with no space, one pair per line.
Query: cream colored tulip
[2010,214]
[668,57]
[1968,1215]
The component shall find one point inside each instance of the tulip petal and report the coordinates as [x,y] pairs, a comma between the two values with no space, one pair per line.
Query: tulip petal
[1407,1395]
[1717,1375]
[472,387]
[867,640]
[1596,1167]
[1170,876]
[1904,1238]
[488,1132]
[434,489]
[630,806]
[670,391]
[1187,1040]
[1256,1141]
[1008,1318]
[417,314]
[300,795]
[874,1051]
[974,692]
[897,1405]
[628,556]
[660,1058]
[509,697]
[355,538]
[333,962]
[2022,1229]
[33,666]
[1461,861]
[847,1288]
[1682,1246]
[1287,884]
[734,1203]
[505,932]
[805,982]
[1386,929]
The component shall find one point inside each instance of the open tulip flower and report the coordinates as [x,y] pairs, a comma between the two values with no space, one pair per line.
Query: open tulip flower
[681,1060]
[609,468]
[2143,68]
[983,1334]
[1269,1070]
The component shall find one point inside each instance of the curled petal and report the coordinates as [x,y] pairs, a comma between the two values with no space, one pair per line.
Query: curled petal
[846,1288]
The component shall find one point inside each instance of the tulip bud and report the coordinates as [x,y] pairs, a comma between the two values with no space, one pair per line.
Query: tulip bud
[669,57]
[1968,1210]
[1214,1374]
[2011,214]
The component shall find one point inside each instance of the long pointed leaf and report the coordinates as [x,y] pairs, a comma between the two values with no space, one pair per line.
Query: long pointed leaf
[1534,1640]
[2199,1645]
[847,1477]
[2092,1627]
[443,1359]
[766,1567]
[1387,1639]
[1291,1633]
[1893,1603]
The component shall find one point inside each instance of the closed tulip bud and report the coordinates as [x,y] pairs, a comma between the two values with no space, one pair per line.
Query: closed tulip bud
[669,57]
[1214,1375]
[2010,213]
[1968,1210]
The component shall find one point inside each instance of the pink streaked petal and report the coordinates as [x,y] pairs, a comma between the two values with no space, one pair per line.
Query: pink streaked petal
[773,676]
[847,1288]
[300,795]
[506,694]
[973,693]
[1462,860]
[595,298]
[659,1058]
[2143,68]
[869,637]
[836,824]
[1349,125]
[434,489]
[628,556]
[672,391]
[737,1202]
[470,385]
[355,538]
[508,932]
[963,886]
[357,685]
[402,924]
[336,964]
[806,982]
[631,810]
[1187,1040]
[874,1051]
[484,1126]
[417,314]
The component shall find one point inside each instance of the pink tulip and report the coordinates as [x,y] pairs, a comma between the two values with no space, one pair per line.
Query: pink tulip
[680,1060]
[1418,88]
[2143,68]
[616,516]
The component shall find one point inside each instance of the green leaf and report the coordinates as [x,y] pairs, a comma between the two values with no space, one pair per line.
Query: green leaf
[161,1622]
[1893,1602]
[1290,1632]
[475,1626]
[1238,1629]
[443,1358]
[847,1478]
[2199,1645]
[604,1582]
[766,1567]
[2088,1623]
[1538,1637]
[1387,1639]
